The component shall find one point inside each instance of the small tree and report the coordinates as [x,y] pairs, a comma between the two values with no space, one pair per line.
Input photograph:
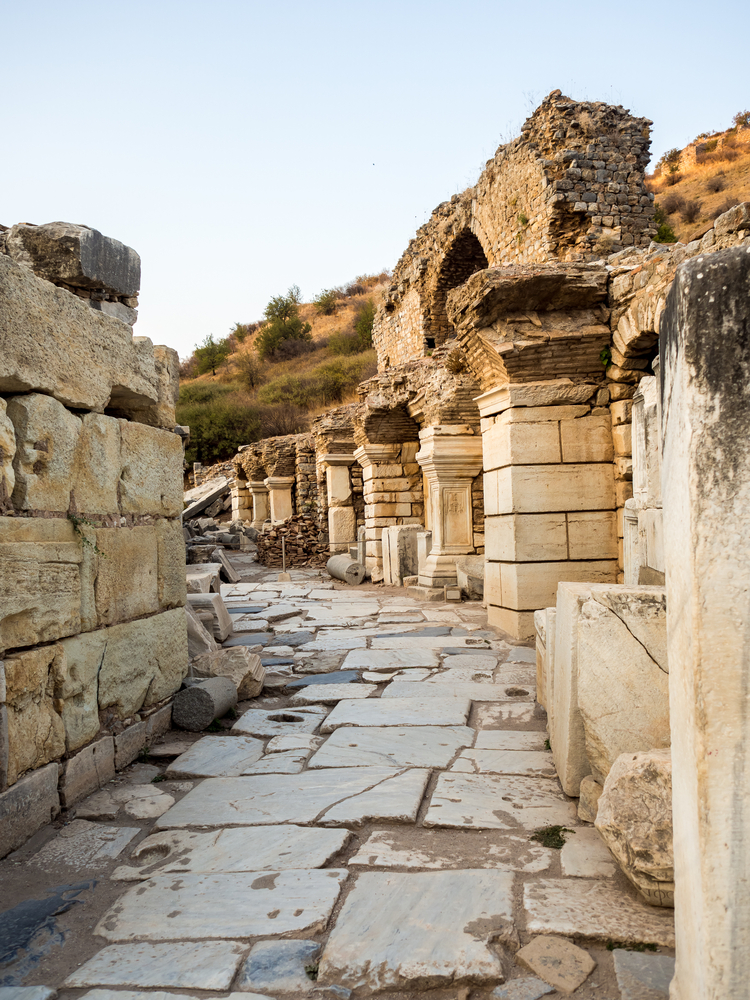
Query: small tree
[741,119]
[211,354]
[326,302]
[363,321]
[249,368]
[283,323]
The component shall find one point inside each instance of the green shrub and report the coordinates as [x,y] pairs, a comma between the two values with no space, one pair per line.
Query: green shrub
[344,343]
[218,427]
[211,354]
[325,384]
[326,302]
[205,392]
[283,323]
[741,119]
[363,321]
[665,233]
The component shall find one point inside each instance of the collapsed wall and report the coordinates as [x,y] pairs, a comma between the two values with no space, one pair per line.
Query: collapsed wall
[92,556]
[570,188]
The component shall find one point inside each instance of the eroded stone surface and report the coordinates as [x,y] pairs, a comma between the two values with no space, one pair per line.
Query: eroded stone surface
[641,976]
[437,849]
[279,965]
[488,801]
[82,844]
[216,756]
[278,722]
[398,712]
[505,762]
[392,746]
[559,962]
[329,694]
[444,945]
[206,965]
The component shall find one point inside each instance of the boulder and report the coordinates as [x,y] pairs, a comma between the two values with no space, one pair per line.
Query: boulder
[222,626]
[634,819]
[237,663]
[588,803]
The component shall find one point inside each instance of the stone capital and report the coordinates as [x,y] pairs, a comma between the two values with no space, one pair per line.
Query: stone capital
[334,459]
[376,454]
[279,482]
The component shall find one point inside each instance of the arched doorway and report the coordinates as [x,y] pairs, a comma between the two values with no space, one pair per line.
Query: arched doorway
[465,257]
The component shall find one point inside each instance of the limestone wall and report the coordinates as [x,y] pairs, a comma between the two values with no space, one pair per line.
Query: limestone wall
[92,556]
[571,187]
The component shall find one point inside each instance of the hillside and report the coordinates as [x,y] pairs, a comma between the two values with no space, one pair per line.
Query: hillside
[253,392]
[694,185]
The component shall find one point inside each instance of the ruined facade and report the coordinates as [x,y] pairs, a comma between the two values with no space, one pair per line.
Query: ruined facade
[92,578]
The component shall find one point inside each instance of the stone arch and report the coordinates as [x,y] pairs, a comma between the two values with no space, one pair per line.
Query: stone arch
[464,257]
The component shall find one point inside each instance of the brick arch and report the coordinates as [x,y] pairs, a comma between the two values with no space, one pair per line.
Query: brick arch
[464,257]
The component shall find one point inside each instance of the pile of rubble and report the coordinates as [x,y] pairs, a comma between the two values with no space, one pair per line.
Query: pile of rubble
[304,543]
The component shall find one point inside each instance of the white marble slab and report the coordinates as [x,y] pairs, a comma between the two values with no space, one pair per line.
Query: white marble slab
[438,849]
[82,844]
[329,694]
[461,675]
[288,762]
[374,678]
[295,741]
[349,640]
[509,739]
[280,966]
[437,943]
[238,849]
[278,722]
[392,746]
[397,799]
[515,676]
[499,713]
[414,674]
[574,907]
[532,762]
[429,688]
[249,624]
[198,965]
[428,642]
[27,993]
[216,757]
[106,994]
[399,712]
[585,855]
[300,798]
[392,659]
[204,907]
[488,801]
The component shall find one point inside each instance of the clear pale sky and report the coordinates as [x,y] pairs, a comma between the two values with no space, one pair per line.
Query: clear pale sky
[242,147]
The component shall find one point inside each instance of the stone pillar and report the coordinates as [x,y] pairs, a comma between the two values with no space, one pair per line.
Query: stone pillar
[280,497]
[342,523]
[259,493]
[450,456]
[392,492]
[549,499]
[242,502]
[706,497]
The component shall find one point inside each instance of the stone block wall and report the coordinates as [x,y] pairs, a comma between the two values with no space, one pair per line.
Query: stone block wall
[92,556]
[392,490]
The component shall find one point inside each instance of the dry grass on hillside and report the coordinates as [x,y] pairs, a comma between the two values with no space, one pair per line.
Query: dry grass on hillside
[701,192]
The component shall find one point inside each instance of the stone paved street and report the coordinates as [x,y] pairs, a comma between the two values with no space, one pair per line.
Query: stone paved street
[363,827]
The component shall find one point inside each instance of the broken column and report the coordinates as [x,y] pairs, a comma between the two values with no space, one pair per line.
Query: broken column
[259,495]
[450,456]
[706,495]
[280,497]
[342,525]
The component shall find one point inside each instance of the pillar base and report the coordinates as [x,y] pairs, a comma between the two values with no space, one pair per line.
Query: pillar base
[427,593]
[438,571]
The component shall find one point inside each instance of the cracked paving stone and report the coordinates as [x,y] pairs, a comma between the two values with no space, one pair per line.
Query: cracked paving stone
[233,850]
[395,930]
[390,659]
[278,721]
[531,762]
[489,801]
[161,995]
[476,692]
[440,849]
[641,976]
[288,762]
[226,905]
[398,712]
[82,844]
[585,855]
[335,795]
[216,757]
[503,739]
[279,965]
[595,909]
[329,694]
[207,965]
[411,746]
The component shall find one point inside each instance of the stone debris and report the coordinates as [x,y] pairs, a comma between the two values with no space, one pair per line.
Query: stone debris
[196,707]
[204,965]
[559,962]
[241,666]
[641,976]
[526,988]
[82,844]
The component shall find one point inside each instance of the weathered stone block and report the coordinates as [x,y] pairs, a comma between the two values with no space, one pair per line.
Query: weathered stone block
[623,694]
[33,682]
[126,554]
[529,586]
[634,818]
[237,663]
[521,444]
[26,806]
[129,743]
[97,465]
[622,439]
[46,445]
[587,439]
[588,803]
[137,664]
[7,454]
[76,255]
[525,489]
[91,768]
[171,582]
[400,556]
[518,624]
[567,736]
[222,626]
[151,476]
[159,722]
[53,342]
[342,525]
[526,537]
[592,535]
[40,585]
[643,610]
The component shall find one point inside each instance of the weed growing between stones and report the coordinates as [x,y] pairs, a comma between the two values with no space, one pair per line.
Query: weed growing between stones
[630,945]
[311,971]
[551,836]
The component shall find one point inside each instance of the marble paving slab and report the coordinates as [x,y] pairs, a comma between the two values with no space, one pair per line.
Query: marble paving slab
[204,965]
[439,849]
[641,976]
[374,678]
[419,641]
[249,624]
[394,618]
[226,905]
[82,844]
[489,801]
[277,722]
[592,908]
[279,966]
[518,675]
[234,849]
[288,762]
[335,677]
[437,944]
[462,675]
[532,762]
[294,741]
[329,694]
[320,795]
[521,654]
[105,994]
[27,993]
[509,739]
[392,746]
[349,640]
[390,659]
[398,712]
[501,713]
[585,855]
[216,757]
[431,689]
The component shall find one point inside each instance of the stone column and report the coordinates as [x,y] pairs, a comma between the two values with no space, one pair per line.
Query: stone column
[259,493]
[706,500]
[391,492]
[450,456]
[280,497]
[342,522]
[242,504]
